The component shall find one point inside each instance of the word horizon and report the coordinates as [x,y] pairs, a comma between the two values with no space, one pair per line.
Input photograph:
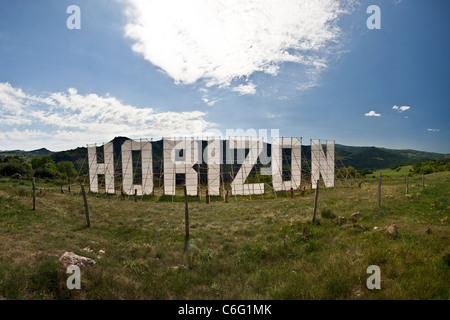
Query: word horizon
[180,155]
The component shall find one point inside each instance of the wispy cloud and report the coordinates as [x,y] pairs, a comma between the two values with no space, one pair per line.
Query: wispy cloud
[401,109]
[209,102]
[224,41]
[245,89]
[62,120]
[433,130]
[273,115]
[372,114]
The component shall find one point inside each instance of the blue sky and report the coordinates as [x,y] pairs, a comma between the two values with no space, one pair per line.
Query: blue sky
[146,69]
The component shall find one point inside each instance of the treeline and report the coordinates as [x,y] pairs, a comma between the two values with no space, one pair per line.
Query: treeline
[46,168]
[430,166]
[424,166]
[42,167]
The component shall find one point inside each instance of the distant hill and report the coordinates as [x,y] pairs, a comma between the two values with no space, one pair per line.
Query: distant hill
[357,157]
[26,155]
[379,158]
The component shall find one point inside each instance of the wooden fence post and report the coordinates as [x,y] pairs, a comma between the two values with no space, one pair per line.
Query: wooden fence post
[186,219]
[34,194]
[315,200]
[407,183]
[379,191]
[423,181]
[86,209]
[292,192]
[226,197]
[207,196]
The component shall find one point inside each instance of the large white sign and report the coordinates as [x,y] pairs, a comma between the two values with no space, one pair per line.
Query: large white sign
[181,155]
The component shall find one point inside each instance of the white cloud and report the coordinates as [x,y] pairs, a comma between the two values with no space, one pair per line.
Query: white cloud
[404,108]
[209,102]
[64,120]
[372,114]
[222,41]
[401,109]
[245,89]
[433,130]
[272,115]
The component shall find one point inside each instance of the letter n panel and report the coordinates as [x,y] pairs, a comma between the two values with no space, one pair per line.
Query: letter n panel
[322,165]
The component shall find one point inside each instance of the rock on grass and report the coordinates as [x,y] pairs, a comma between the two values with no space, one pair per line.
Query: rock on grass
[356,214]
[70,259]
[392,230]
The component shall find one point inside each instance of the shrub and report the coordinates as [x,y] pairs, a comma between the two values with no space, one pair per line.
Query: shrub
[42,161]
[67,169]
[12,168]
[48,281]
[44,172]
[207,254]
[327,214]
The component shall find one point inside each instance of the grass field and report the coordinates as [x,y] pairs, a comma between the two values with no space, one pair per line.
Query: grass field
[244,249]
[396,173]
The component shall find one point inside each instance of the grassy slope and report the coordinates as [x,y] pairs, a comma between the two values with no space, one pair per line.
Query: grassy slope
[248,249]
[391,173]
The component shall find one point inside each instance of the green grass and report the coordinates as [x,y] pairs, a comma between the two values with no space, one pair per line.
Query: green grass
[396,173]
[245,249]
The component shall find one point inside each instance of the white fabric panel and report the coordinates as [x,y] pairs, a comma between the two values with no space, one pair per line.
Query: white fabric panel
[147,167]
[106,168]
[322,165]
[213,154]
[255,146]
[329,165]
[277,163]
[173,165]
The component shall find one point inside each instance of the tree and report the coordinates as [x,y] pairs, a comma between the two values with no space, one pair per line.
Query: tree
[13,159]
[13,165]
[42,161]
[44,167]
[349,172]
[12,168]
[67,168]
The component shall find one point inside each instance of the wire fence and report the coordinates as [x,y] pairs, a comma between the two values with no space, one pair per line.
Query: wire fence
[125,175]
[137,176]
